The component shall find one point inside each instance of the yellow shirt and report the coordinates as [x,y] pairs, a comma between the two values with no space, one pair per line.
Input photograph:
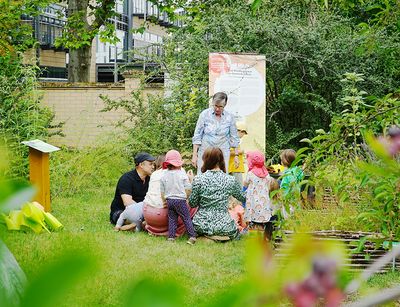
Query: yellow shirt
[231,166]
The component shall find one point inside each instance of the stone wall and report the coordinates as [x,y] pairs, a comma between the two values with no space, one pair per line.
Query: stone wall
[79,107]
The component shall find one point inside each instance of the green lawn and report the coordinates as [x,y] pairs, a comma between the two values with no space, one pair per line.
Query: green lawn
[122,258]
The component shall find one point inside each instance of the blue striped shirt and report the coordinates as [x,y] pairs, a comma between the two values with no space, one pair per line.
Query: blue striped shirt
[211,131]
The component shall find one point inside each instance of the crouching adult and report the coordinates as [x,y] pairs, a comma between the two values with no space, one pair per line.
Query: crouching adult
[127,205]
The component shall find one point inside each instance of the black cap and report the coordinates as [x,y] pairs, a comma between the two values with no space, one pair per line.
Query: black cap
[143,156]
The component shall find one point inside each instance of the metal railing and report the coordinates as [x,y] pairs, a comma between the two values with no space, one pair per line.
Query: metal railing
[146,9]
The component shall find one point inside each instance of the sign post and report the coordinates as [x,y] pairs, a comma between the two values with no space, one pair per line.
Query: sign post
[39,173]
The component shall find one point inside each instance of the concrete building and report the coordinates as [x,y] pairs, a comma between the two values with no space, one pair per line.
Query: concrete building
[46,28]
[134,49]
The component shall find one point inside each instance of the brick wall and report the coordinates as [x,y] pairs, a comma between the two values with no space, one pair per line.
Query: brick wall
[79,107]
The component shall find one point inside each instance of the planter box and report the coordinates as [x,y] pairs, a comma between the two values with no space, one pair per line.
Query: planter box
[355,261]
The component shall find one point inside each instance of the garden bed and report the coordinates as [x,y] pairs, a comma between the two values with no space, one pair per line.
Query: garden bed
[356,260]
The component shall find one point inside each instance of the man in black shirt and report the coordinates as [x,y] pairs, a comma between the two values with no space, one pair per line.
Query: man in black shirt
[132,187]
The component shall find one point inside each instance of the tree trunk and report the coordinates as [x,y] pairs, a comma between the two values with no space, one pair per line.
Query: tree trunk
[79,64]
[79,59]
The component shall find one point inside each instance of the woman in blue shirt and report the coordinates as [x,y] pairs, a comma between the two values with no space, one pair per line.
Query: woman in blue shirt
[215,127]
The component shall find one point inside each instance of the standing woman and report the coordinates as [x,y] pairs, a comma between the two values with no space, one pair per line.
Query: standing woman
[210,193]
[215,127]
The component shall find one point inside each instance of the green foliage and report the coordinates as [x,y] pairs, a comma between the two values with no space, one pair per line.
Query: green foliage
[12,278]
[381,177]
[330,218]
[346,131]
[295,117]
[148,292]
[86,19]
[333,155]
[21,115]
[75,171]
[307,48]
[55,280]
[51,283]
[16,35]
[164,123]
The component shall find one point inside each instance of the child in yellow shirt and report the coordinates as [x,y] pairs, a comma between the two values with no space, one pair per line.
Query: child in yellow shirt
[238,172]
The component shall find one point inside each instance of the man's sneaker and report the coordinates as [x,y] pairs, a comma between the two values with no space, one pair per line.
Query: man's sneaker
[128,227]
[191,240]
[171,240]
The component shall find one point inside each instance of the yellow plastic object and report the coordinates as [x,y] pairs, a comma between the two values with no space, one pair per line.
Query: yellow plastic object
[32,216]
[52,222]
[278,168]
[13,220]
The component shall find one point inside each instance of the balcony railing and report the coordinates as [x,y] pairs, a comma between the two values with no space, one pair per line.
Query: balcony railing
[145,9]
[146,51]
[48,26]
[49,30]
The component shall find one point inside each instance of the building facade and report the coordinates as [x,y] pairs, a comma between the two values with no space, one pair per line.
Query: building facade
[135,49]
[46,28]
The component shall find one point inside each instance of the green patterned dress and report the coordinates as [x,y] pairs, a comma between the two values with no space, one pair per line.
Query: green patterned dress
[210,193]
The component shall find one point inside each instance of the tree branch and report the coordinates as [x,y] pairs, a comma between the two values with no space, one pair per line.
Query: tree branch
[103,11]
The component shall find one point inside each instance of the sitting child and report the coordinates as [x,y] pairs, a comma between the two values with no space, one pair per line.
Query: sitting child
[132,217]
[236,211]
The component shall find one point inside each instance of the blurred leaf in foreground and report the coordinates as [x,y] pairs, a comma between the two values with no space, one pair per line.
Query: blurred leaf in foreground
[152,293]
[56,280]
[12,278]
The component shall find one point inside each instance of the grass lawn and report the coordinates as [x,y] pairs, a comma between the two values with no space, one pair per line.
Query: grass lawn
[123,258]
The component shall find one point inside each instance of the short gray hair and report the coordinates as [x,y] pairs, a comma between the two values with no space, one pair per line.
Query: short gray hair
[220,97]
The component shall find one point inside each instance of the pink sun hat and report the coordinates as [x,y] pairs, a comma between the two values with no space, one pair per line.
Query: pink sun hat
[255,161]
[174,158]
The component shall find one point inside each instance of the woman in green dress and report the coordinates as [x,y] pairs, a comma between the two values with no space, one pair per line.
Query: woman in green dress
[210,193]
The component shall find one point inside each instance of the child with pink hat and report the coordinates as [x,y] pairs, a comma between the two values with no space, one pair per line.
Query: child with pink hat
[175,187]
[258,203]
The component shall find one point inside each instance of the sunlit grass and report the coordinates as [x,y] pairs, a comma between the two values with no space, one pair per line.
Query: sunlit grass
[123,258]
[330,218]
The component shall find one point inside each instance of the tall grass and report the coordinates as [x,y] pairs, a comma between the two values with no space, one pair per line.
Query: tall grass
[83,184]
[82,187]
[90,169]
[331,218]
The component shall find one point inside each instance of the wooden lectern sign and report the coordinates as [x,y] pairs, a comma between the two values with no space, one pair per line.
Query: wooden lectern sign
[39,173]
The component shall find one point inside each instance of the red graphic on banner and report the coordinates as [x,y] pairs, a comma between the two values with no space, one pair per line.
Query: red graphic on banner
[218,64]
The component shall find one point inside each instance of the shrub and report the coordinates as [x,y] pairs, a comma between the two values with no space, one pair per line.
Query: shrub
[21,115]
[89,170]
